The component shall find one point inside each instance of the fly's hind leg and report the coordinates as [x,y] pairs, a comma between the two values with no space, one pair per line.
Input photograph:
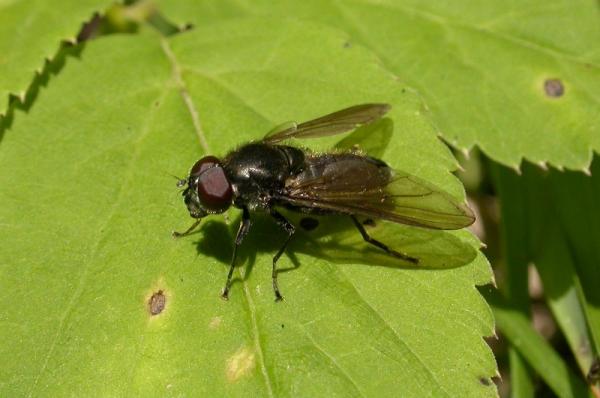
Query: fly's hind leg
[290,229]
[382,246]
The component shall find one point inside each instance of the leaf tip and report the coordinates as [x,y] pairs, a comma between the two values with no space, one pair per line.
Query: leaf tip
[517,168]
[493,282]
[587,171]
[466,153]
[559,167]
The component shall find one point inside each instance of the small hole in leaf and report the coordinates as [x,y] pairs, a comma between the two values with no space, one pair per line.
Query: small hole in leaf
[157,303]
[309,223]
[369,222]
[554,88]
[486,381]
[347,44]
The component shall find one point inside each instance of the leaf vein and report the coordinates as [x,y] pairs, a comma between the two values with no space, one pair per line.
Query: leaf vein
[333,361]
[394,333]
[185,94]
[256,334]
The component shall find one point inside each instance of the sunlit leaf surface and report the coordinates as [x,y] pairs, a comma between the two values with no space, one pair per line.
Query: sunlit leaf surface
[88,205]
[518,78]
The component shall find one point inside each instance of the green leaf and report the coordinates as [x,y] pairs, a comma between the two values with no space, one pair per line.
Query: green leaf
[561,246]
[514,231]
[31,33]
[580,221]
[89,204]
[522,383]
[481,67]
[539,354]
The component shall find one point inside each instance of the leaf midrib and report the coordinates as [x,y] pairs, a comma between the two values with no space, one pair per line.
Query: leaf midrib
[204,143]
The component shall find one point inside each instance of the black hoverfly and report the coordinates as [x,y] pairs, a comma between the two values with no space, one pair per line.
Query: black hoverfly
[264,175]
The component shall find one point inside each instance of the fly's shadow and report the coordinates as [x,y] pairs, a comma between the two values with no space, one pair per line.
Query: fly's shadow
[265,236]
[335,239]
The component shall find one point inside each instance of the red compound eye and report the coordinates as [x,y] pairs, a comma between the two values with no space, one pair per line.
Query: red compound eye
[214,190]
[204,164]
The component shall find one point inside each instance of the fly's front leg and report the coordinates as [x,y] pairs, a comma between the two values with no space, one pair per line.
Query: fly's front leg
[188,231]
[290,229]
[382,246]
[241,234]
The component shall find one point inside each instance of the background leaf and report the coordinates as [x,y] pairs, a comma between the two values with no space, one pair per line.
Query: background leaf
[89,206]
[549,365]
[560,246]
[481,66]
[31,33]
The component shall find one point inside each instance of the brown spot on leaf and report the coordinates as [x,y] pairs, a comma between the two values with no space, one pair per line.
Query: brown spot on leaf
[554,88]
[240,364]
[157,303]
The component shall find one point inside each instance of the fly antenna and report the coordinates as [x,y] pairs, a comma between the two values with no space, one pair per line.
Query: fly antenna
[180,181]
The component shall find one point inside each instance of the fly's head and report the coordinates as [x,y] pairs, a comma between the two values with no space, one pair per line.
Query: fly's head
[208,190]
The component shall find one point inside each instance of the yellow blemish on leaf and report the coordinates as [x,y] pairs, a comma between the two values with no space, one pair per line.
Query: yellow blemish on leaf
[240,364]
[215,322]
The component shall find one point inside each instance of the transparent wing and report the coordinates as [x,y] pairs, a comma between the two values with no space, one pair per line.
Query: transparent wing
[359,185]
[335,123]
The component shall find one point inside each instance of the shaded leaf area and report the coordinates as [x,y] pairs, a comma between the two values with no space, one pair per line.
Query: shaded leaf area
[99,300]
[550,220]
[520,79]
[31,33]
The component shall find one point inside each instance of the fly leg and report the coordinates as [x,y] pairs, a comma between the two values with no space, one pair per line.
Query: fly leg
[241,234]
[382,246]
[188,231]
[290,229]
